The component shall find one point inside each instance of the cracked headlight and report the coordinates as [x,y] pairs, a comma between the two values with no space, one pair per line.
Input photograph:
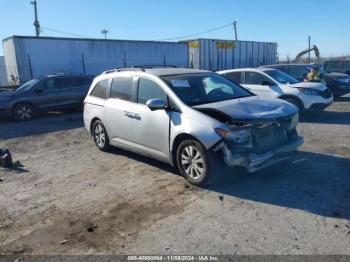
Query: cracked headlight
[239,136]
[293,123]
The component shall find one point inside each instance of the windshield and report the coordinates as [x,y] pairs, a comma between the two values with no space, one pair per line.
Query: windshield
[281,77]
[197,89]
[27,85]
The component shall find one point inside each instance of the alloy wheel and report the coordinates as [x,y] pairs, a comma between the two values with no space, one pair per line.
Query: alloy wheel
[24,112]
[192,162]
[100,136]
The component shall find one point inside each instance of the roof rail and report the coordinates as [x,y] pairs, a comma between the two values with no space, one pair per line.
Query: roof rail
[153,66]
[121,70]
[57,74]
[137,68]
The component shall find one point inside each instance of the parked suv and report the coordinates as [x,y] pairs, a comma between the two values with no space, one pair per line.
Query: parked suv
[55,92]
[190,119]
[272,83]
[338,83]
[339,66]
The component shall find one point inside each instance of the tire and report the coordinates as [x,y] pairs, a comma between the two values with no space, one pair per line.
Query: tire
[100,136]
[23,112]
[296,103]
[195,163]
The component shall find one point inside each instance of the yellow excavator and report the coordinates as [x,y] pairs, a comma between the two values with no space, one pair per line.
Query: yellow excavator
[308,50]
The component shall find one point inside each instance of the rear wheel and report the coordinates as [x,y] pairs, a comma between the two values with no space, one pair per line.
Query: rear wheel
[23,112]
[100,135]
[194,162]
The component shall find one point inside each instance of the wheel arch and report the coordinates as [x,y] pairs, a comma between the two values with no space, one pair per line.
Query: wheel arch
[297,99]
[92,123]
[177,141]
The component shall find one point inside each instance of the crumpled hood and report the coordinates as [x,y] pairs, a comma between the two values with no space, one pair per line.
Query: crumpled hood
[252,108]
[312,85]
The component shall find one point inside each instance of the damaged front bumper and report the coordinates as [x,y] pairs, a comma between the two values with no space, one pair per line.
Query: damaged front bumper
[254,162]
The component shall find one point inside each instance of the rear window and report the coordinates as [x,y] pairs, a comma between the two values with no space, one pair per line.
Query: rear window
[100,89]
[122,88]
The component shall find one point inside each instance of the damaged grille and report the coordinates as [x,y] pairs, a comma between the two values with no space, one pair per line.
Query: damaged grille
[269,138]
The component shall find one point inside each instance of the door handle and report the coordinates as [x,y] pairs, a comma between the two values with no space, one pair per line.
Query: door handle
[128,114]
[132,115]
[137,116]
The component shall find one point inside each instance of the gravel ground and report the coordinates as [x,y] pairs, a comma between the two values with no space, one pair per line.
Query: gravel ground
[70,198]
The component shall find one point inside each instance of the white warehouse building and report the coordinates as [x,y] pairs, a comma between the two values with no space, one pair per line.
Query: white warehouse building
[3,75]
[216,54]
[27,57]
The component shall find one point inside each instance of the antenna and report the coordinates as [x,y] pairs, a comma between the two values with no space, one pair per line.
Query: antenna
[105,32]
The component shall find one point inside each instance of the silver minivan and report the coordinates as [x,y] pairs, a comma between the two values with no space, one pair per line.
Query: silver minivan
[191,119]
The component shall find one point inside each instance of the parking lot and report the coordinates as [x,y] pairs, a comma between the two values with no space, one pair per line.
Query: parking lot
[70,198]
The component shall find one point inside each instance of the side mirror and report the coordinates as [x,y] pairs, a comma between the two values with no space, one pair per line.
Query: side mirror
[266,83]
[38,91]
[156,104]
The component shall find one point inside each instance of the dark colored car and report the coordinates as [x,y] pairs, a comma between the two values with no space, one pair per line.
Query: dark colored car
[338,83]
[55,92]
[337,66]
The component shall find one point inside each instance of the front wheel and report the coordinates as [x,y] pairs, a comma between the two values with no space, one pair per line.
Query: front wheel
[100,135]
[23,112]
[194,162]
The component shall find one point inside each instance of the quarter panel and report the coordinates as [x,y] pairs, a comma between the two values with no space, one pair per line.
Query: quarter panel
[93,109]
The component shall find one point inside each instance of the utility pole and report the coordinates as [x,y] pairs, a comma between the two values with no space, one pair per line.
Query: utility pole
[36,22]
[309,50]
[104,32]
[235,28]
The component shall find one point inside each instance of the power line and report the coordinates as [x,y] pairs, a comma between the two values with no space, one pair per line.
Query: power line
[196,34]
[165,39]
[65,33]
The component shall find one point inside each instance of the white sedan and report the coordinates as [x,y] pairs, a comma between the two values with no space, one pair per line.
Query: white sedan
[272,83]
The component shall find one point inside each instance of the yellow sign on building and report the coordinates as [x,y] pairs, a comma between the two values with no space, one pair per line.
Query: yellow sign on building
[225,44]
[193,44]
